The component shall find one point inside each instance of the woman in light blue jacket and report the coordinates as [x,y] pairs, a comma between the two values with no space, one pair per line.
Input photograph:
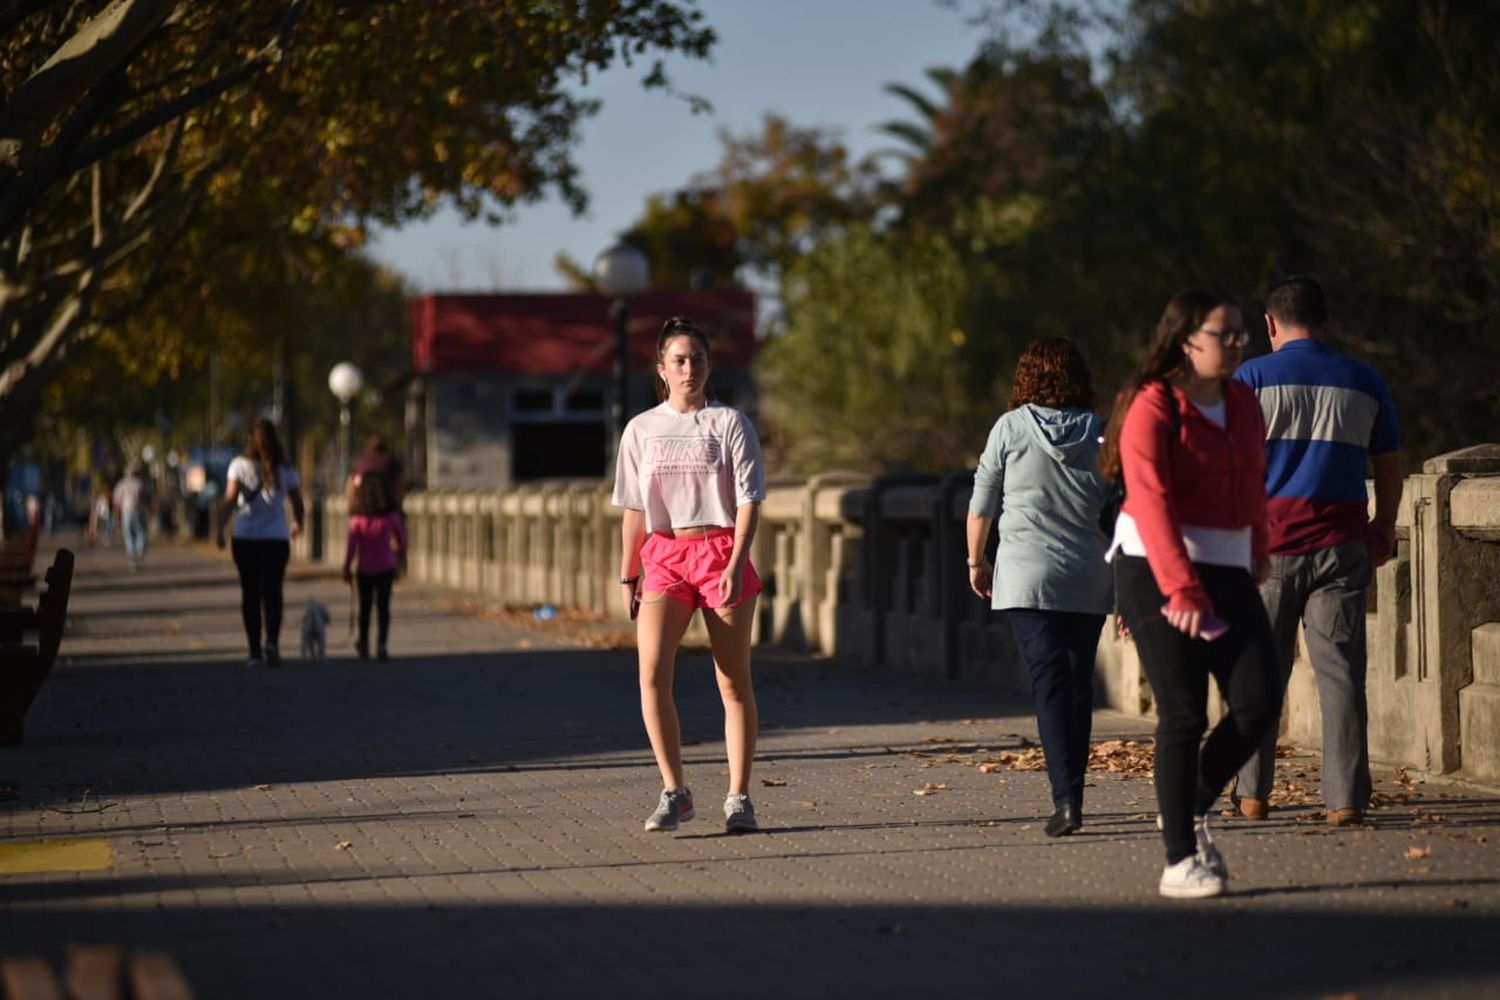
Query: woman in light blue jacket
[1039,476]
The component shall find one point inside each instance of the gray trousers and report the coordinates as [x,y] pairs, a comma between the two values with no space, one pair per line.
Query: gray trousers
[1325,591]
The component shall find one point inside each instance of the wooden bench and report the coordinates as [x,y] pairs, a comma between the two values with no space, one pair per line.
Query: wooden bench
[24,665]
[17,556]
[95,972]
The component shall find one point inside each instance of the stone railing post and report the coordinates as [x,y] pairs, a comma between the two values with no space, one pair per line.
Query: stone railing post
[1455,588]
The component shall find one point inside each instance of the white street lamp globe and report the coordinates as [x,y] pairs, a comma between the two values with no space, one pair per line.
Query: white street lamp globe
[345,381]
[621,269]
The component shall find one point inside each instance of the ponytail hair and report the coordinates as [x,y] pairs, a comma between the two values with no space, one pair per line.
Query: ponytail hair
[1183,316]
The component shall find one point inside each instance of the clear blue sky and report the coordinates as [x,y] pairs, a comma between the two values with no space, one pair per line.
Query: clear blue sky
[816,62]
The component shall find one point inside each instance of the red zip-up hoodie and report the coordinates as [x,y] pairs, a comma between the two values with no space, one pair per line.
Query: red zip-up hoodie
[1204,475]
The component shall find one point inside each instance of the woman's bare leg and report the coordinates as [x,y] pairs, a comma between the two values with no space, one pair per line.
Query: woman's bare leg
[729,633]
[658,632]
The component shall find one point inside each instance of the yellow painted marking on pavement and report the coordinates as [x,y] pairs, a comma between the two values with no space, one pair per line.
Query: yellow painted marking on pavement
[87,854]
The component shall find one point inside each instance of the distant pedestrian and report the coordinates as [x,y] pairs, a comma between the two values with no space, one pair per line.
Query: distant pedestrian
[260,483]
[378,460]
[377,537]
[1324,414]
[691,480]
[1039,475]
[132,508]
[101,519]
[1189,546]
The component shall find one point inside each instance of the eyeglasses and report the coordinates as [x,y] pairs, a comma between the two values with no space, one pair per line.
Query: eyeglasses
[1227,336]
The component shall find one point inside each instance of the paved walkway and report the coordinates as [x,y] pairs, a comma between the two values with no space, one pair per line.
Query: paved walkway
[466,821]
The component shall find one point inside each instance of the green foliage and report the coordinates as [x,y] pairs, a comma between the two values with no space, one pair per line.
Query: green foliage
[871,371]
[1074,187]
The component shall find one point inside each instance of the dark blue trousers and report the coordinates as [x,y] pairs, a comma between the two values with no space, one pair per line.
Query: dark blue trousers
[1058,649]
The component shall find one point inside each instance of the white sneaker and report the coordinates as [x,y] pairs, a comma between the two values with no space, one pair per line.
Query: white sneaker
[1190,878]
[739,814]
[1208,852]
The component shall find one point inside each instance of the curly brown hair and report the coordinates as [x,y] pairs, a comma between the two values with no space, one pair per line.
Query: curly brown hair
[1052,373]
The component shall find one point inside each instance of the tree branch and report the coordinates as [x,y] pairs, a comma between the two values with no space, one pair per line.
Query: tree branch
[94,51]
[149,122]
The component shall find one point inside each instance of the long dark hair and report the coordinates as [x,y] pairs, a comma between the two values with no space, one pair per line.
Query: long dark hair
[1183,316]
[1052,372]
[677,326]
[264,449]
[371,494]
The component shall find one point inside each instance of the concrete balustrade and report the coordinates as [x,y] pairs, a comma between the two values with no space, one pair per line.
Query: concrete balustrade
[872,571]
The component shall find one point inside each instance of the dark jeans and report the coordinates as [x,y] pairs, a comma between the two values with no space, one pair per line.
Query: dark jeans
[262,566]
[375,587]
[1242,662]
[1058,649]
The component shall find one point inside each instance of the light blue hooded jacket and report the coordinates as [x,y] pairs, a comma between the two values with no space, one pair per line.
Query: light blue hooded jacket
[1039,478]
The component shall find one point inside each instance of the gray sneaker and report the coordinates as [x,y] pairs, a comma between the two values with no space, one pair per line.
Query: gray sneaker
[675,806]
[739,814]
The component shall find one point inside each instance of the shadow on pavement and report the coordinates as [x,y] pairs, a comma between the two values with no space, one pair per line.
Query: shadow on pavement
[819,951]
[124,728]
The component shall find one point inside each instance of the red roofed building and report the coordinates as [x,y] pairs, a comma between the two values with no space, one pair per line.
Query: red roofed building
[515,388]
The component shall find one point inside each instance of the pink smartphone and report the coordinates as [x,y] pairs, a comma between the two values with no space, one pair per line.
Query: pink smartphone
[1210,628]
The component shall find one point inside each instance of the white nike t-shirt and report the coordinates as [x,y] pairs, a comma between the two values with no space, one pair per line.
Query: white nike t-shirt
[686,469]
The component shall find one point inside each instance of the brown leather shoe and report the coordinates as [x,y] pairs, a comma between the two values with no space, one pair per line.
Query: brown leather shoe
[1346,816]
[1254,808]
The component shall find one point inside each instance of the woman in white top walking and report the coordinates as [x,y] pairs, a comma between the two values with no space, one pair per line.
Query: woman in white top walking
[260,484]
[690,478]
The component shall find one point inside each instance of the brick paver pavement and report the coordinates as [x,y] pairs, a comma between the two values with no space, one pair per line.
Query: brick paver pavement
[466,821]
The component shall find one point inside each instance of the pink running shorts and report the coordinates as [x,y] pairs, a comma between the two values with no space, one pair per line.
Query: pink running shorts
[688,569]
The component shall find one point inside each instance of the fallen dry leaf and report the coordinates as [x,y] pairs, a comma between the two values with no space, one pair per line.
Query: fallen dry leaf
[262,788]
[773,782]
[1414,852]
[342,845]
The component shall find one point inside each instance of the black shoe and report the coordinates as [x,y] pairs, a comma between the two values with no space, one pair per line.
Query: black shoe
[1066,820]
[382,655]
[273,655]
[362,650]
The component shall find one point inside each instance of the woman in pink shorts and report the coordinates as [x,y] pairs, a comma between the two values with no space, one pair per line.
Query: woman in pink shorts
[690,479]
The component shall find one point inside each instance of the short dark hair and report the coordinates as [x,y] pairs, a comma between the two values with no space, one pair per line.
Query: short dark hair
[1298,301]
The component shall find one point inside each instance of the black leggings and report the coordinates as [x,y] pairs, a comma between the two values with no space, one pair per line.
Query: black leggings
[1242,662]
[262,566]
[376,587]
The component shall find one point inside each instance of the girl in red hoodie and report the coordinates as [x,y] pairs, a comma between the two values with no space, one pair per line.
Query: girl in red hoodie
[1189,547]
[377,537]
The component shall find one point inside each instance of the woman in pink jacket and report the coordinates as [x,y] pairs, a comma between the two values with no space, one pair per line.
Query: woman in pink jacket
[377,537]
[1189,546]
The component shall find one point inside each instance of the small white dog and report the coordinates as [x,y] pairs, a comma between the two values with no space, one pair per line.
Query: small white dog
[315,630]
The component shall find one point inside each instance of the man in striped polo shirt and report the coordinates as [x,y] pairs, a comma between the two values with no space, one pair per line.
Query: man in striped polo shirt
[1325,416]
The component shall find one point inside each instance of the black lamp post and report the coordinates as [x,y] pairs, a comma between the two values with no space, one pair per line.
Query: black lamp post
[619,271]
